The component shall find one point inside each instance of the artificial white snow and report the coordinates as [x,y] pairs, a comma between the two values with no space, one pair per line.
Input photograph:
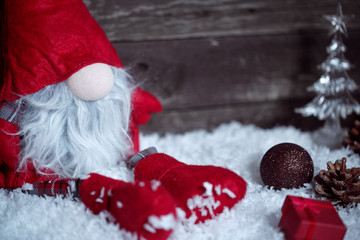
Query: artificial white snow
[102,194]
[217,189]
[72,185]
[229,193]
[119,204]
[165,222]
[27,187]
[234,146]
[206,204]
[109,193]
[85,177]
[149,228]
[208,189]
[155,184]
[52,189]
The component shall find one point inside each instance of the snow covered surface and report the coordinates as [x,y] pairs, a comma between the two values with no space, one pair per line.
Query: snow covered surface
[234,146]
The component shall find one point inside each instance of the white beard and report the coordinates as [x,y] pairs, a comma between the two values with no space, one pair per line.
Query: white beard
[73,137]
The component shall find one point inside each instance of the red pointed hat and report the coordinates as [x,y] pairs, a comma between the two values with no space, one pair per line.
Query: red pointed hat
[48,41]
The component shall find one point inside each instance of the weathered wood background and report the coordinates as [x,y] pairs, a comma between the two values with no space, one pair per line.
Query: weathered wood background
[214,61]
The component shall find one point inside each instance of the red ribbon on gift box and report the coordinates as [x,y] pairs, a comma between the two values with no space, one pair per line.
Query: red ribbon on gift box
[310,207]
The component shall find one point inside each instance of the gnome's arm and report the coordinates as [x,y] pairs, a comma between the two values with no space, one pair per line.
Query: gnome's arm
[10,177]
[143,104]
[9,150]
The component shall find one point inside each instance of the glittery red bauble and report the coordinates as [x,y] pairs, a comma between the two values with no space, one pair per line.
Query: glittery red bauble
[286,165]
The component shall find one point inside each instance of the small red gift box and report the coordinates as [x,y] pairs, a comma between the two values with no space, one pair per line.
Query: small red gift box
[304,218]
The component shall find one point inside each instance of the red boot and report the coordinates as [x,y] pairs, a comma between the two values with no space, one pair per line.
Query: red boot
[143,207]
[202,190]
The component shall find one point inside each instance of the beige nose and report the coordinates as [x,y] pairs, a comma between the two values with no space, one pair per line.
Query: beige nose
[92,82]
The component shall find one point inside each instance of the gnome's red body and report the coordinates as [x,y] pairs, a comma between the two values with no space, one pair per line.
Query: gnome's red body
[47,42]
[46,46]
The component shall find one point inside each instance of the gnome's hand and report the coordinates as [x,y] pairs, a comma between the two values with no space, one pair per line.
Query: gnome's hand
[144,104]
[142,207]
[201,190]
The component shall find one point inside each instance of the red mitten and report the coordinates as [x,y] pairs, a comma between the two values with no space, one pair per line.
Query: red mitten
[143,207]
[202,190]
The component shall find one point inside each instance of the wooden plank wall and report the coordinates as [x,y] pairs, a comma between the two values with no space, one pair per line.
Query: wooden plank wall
[214,61]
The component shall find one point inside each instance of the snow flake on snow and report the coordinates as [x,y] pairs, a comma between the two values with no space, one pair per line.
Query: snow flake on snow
[27,187]
[164,222]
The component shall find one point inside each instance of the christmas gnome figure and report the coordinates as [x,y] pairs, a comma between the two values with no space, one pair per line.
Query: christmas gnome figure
[69,109]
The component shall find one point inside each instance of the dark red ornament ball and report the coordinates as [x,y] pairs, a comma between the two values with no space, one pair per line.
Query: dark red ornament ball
[286,165]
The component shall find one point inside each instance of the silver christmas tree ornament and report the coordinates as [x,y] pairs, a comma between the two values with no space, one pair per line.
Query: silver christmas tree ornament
[333,99]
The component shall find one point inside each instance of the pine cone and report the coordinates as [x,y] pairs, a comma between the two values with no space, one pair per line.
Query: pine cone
[338,184]
[353,138]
